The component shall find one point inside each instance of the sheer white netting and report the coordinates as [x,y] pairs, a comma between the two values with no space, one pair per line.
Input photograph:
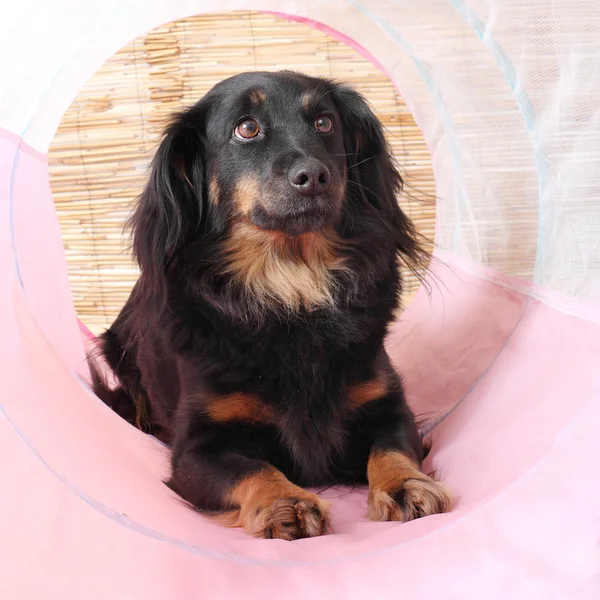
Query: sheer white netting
[508,94]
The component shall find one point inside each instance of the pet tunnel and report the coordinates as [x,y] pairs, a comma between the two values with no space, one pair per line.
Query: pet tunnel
[502,347]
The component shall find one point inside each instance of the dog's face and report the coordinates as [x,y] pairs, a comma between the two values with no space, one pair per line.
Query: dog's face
[275,153]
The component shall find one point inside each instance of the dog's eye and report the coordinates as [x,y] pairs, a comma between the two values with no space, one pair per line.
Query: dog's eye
[247,129]
[324,124]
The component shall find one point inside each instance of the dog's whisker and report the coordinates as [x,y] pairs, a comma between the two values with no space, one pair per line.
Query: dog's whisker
[360,162]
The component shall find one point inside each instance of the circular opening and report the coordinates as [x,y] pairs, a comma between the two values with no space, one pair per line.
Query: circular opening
[99,155]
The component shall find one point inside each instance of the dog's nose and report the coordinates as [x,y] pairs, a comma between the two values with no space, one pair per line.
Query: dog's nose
[309,177]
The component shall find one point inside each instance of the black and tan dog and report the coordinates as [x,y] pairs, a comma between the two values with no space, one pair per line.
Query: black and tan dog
[269,239]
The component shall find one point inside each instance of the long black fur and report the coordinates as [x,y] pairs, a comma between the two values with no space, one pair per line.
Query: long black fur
[187,333]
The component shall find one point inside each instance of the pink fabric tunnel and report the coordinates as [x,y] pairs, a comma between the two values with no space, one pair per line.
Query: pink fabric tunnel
[511,383]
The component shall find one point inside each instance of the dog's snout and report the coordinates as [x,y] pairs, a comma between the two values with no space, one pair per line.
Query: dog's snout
[309,177]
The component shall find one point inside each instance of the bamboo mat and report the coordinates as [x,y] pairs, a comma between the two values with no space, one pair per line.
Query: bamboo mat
[101,151]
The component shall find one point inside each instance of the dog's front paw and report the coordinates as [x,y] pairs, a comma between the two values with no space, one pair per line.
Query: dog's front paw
[413,498]
[399,491]
[270,506]
[290,518]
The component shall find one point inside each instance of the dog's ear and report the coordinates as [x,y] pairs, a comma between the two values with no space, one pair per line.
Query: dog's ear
[372,173]
[171,207]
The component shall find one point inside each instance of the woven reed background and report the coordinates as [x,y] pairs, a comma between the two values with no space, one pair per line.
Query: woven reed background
[100,153]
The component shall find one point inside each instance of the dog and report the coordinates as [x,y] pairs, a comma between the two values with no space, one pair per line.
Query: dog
[269,240]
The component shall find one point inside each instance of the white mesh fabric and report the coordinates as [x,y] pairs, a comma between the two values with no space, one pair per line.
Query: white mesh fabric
[510,98]
[554,47]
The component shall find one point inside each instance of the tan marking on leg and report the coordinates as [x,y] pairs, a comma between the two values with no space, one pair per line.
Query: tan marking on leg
[268,505]
[399,491]
[240,407]
[367,391]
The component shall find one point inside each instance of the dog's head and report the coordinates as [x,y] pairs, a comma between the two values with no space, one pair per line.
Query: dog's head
[274,166]
[275,153]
